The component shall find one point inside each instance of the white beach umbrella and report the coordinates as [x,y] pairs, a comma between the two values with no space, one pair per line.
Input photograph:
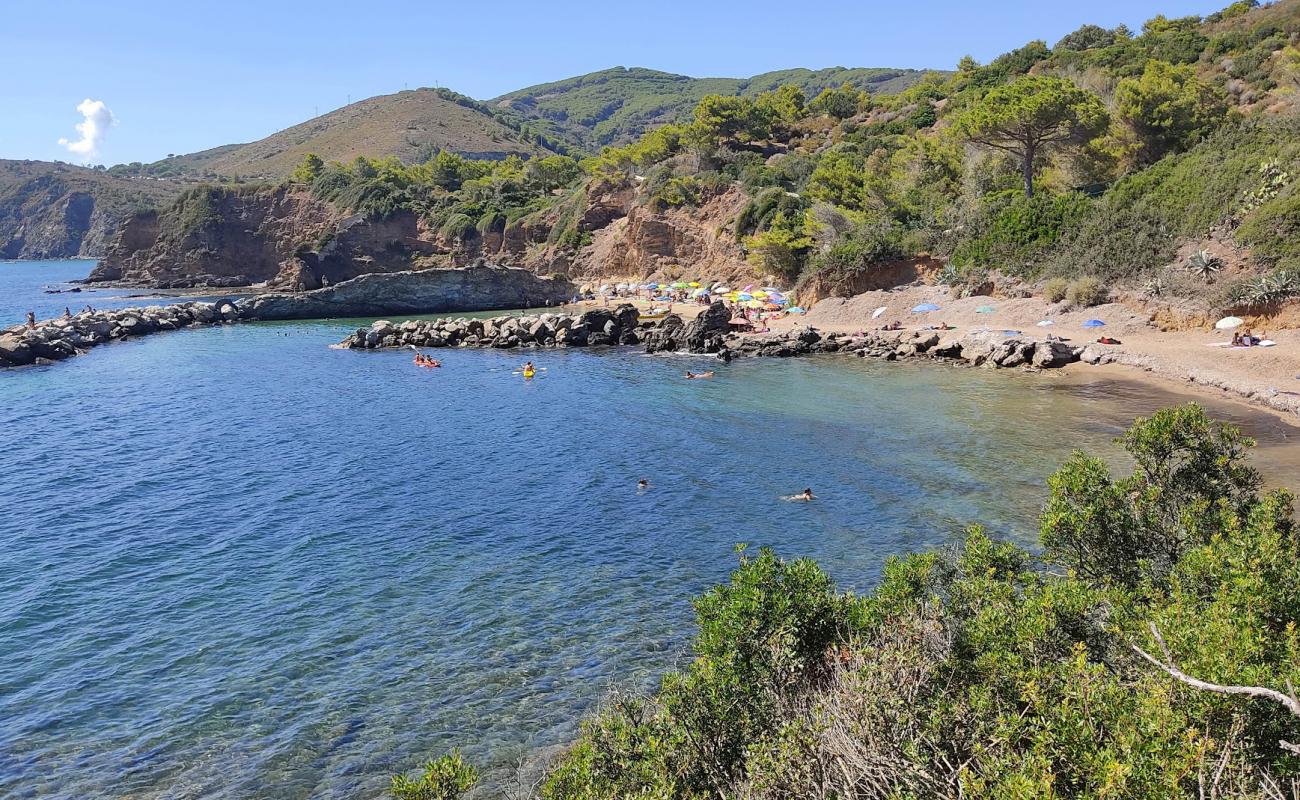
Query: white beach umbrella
[1043,323]
[875,314]
[1228,323]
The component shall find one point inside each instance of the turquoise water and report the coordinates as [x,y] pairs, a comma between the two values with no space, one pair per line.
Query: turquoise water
[234,562]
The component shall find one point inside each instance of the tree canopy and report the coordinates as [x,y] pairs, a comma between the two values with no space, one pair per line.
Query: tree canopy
[1167,108]
[1030,116]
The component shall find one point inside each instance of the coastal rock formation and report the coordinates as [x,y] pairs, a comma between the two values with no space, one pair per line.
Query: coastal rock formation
[594,328]
[704,334]
[479,287]
[287,239]
[56,339]
[708,334]
[221,237]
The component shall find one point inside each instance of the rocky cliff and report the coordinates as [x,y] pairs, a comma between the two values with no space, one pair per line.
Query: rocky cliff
[286,239]
[50,210]
[241,237]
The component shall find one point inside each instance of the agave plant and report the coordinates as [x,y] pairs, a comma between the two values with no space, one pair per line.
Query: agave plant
[1272,288]
[1204,263]
[1155,287]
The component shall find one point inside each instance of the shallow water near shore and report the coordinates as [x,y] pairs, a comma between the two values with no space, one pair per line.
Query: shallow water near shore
[239,563]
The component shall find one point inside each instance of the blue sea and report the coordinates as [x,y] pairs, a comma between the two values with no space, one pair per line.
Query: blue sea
[237,563]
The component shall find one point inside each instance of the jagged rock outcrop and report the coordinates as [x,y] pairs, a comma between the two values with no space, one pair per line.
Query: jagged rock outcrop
[479,287]
[704,334]
[646,241]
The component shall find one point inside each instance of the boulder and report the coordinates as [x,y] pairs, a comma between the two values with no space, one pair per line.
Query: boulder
[1053,354]
[705,333]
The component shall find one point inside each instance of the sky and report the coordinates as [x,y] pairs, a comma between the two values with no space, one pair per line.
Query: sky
[176,77]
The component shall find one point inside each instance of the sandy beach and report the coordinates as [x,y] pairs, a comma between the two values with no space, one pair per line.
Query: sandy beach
[1266,375]
[1193,361]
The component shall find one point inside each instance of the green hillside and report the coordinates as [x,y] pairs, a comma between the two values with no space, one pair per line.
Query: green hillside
[54,210]
[410,125]
[615,106]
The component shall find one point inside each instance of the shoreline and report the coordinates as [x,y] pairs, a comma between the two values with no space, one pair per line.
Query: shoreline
[1192,359]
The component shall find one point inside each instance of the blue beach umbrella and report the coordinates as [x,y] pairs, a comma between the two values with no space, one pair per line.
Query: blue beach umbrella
[1093,323]
[984,310]
[924,307]
[796,310]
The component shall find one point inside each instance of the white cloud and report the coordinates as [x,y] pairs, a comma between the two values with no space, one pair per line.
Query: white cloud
[97,119]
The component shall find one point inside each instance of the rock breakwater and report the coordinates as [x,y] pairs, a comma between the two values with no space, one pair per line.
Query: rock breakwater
[53,340]
[709,333]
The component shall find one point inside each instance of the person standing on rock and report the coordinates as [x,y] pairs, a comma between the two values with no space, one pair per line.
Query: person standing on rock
[31,320]
[67,313]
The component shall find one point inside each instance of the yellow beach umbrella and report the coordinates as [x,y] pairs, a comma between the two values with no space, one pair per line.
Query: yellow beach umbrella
[759,295]
[694,284]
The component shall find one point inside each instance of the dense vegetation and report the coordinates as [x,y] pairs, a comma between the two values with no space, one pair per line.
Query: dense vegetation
[985,670]
[616,106]
[1092,164]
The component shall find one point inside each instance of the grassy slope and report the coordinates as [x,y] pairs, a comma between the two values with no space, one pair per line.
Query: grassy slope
[615,106]
[405,125]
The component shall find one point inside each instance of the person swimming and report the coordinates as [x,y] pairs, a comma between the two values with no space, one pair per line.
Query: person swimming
[642,485]
[695,375]
[804,496]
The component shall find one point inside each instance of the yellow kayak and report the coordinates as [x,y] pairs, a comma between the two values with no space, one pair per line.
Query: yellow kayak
[528,373]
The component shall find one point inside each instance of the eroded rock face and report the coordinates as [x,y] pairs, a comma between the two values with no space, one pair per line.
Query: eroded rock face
[239,237]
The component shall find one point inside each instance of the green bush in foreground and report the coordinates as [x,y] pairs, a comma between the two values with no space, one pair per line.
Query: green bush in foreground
[447,778]
[980,672]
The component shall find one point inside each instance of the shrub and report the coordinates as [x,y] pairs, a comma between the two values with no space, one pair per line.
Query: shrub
[974,672]
[1138,527]
[1014,232]
[1054,290]
[457,227]
[1273,230]
[1086,292]
[447,778]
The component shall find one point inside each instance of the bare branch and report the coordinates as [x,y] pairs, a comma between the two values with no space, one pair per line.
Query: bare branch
[1288,701]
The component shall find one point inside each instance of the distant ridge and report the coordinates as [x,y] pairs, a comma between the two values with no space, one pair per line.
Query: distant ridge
[615,106]
[409,125]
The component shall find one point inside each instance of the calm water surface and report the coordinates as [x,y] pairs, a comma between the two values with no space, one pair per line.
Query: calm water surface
[236,563]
